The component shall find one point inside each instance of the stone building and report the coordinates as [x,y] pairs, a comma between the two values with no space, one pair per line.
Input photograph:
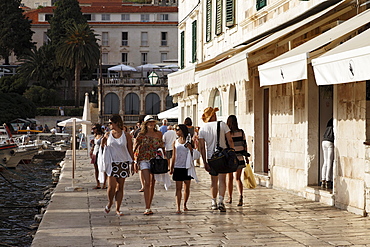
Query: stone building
[133,35]
[253,59]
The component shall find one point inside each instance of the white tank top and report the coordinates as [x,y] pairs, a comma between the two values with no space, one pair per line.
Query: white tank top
[119,148]
[181,154]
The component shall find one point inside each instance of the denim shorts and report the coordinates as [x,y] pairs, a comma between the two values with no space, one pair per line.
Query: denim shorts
[144,164]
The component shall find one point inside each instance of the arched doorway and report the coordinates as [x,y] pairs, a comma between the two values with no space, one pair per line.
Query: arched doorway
[111,104]
[152,104]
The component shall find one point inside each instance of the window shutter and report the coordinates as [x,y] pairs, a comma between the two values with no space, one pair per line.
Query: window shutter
[194,41]
[260,4]
[182,63]
[230,13]
[208,20]
[218,17]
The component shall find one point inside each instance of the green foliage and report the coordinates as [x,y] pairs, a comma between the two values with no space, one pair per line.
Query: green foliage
[42,96]
[39,66]
[79,50]
[73,111]
[47,112]
[13,84]
[13,106]
[66,13]
[15,30]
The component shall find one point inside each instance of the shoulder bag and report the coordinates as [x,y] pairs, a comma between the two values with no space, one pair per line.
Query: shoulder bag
[158,165]
[223,160]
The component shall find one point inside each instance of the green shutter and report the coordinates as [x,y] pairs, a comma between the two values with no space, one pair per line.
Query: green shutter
[182,63]
[208,20]
[218,17]
[194,41]
[230,13]
[260,4]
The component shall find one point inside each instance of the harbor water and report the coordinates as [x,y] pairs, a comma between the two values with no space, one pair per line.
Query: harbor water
[22,190]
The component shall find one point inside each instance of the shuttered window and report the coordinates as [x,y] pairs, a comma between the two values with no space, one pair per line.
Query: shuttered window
[182,62]
[194,41]
[218,17]
[208,20]
[260,4]
[230,13]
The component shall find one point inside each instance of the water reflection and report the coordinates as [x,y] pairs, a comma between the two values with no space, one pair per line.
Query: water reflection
[21,190]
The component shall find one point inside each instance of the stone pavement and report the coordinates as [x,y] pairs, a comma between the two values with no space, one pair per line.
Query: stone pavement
[268,218]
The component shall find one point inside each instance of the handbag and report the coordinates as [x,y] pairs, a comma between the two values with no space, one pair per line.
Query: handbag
[158,165]
[249,180]
[223,160]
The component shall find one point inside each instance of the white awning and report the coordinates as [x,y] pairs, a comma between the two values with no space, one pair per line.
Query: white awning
[178,80]
[348,62]
[235,68]
[172,113]
[292,65]
[232,70]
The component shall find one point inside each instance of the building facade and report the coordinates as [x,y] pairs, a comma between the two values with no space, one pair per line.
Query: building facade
[253,60]
[132,35]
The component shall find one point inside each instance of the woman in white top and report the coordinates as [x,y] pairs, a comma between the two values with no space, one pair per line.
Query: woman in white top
[118,156]
[178,166]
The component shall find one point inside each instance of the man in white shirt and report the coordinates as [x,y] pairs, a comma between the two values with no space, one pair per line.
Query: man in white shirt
[207,146]
[169,138]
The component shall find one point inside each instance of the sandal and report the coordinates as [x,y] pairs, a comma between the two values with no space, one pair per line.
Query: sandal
[119,214]
[141,190]
[106,210]
[178,212]
[230,200]
[240,201]
[185,208]
[97,188]
[148,211]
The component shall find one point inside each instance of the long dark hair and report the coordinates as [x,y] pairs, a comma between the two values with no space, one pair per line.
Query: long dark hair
[232,122]
[188,121]
[184,129]
[99,131]
[117,120]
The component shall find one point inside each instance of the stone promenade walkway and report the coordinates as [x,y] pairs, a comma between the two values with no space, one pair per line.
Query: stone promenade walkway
[268,218]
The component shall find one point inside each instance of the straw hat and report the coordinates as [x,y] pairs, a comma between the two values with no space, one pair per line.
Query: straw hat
[208,113]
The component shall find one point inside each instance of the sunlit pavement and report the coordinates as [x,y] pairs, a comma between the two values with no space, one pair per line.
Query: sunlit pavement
[268,218]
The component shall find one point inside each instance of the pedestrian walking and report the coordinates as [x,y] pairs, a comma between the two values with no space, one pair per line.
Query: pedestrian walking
[117,158]
[240,146]
[328,151]
[169,138]
[207,139]
[146,145]
[179,167]
[164,126]
[94,152]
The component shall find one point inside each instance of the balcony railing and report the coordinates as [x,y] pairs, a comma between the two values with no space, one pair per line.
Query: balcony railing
[119,81]
[128,120]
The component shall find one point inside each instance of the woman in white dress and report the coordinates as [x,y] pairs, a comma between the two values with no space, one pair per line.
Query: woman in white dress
[118,157]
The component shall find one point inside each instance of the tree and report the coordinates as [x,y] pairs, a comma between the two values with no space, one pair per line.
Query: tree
[42,96]
[79,50]
[15,30]
[13,84]
[66,13]
[13,106]
[39,66]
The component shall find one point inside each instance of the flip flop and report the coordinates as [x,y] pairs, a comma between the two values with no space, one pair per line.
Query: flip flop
[119,214]
[106,210]
[97,188]
[141,190]
[178,212]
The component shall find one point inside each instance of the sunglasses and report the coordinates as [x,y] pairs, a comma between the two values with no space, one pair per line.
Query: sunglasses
[110,123]
[177,129]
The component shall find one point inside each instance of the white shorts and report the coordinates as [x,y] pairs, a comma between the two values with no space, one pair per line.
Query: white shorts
[144,164]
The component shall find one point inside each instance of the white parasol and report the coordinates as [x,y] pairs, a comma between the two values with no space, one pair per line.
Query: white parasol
[72,122]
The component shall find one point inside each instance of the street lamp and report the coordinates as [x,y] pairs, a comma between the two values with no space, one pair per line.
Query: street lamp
[153,78]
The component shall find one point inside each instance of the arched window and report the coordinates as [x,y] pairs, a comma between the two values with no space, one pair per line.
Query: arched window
[152,104]
[217,102]
[132,104]
[169,103]
[111,104]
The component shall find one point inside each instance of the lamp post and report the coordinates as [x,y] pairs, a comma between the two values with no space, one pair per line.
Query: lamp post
[153,78]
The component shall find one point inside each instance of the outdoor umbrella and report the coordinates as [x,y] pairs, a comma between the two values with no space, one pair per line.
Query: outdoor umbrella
[72,122]
[86,128]
[147,67]
[121,67]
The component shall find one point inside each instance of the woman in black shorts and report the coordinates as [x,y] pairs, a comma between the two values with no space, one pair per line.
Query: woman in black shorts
[178,166]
